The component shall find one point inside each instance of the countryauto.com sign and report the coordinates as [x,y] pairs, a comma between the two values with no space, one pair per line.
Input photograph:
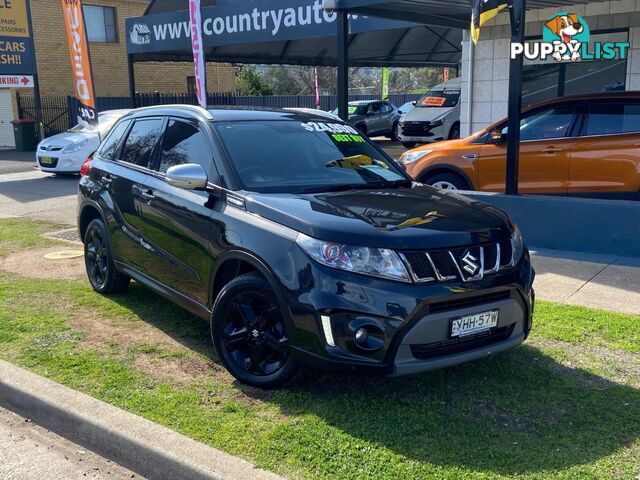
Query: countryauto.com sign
[272,20]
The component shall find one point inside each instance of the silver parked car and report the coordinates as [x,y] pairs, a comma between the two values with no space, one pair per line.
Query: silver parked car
[374,117]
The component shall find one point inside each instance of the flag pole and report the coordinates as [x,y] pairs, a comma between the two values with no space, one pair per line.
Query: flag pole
[199,63]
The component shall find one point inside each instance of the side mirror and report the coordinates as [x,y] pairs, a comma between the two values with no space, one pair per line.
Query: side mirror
[498,137]
[414,103]
[189,176]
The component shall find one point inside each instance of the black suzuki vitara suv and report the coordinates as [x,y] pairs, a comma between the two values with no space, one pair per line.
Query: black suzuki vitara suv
[302,243]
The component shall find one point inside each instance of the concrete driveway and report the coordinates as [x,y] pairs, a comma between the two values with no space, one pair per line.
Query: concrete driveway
[12,161]
[38,196]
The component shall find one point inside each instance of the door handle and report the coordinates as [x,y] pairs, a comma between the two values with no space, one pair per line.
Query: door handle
[550,150]
[147,195]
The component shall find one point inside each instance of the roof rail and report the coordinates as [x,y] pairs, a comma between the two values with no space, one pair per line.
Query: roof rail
[182,106]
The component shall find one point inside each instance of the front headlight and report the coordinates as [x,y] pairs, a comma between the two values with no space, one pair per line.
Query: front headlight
[410,157]
[518,244]
[377,262]
[75,147]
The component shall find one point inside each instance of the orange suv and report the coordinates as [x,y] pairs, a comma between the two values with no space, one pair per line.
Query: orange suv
[582,146]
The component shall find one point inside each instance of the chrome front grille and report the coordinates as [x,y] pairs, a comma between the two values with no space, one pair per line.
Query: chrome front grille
[462,264]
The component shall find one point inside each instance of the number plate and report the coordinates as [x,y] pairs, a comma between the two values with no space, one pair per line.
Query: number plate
[46,161]
[480,322]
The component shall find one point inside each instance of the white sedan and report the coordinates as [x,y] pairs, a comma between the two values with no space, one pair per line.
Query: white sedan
[65,152]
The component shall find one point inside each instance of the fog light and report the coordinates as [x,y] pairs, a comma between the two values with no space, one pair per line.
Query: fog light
[362,336]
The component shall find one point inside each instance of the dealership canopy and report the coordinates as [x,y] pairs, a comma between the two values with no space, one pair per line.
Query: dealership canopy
[298,32]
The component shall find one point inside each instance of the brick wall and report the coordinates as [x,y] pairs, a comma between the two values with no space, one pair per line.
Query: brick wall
[109,60]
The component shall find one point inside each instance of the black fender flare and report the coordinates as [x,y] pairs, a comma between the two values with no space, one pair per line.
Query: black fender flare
[261,266]
[446,168]
[89,203]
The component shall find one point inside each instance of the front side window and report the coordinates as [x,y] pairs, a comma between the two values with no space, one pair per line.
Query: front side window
[100,23]
[552,122]
[292,156]
[183,143]
[374,108]
[612,119]
[139,145]
[110,145]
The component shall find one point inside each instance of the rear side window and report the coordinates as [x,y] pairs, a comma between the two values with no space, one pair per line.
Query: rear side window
[184,143]
[612,119]
[139,145]
[109,147]
[386,108]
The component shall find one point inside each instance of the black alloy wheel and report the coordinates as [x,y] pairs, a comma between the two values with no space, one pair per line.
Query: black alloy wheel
[98,261]
[248,330]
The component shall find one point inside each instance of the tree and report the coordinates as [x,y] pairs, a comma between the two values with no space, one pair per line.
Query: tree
[250,82]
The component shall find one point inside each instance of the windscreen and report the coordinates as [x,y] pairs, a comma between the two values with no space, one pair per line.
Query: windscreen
[449,97]
[354,109]
[105,122]
[296,157]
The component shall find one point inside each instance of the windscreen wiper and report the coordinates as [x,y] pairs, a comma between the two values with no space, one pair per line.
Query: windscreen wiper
[339,188]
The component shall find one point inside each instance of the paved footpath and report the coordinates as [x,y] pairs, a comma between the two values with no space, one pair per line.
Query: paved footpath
[599,281]
[29,452]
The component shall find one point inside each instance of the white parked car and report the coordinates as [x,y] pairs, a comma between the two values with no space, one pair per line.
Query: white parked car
[65,152]
[435,117]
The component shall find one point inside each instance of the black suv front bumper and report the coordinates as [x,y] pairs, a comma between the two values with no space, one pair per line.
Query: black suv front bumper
[411,322]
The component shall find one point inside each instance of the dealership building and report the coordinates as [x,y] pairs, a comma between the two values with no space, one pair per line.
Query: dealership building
[485,67]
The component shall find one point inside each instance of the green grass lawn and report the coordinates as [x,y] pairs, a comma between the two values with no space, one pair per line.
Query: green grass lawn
[565,405]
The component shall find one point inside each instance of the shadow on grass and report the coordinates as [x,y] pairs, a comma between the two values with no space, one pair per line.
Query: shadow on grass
[520,412]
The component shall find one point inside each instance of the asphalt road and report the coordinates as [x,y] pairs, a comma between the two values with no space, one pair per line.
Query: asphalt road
[29,452]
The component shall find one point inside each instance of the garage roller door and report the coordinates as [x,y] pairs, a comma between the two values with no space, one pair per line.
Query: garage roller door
[6,115]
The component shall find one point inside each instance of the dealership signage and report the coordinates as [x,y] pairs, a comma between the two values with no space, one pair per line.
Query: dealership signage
[16,81]
[16,45]
[80,62]
[236,23]
[566,37]
[195,18]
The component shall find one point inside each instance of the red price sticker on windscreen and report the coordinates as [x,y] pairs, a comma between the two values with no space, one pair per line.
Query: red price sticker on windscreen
[434,101]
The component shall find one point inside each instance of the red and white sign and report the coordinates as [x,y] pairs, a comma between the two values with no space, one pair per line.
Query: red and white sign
[16,81]
[195,17]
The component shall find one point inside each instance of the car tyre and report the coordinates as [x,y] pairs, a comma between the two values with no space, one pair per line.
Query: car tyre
[395,131]
[98,260]
[455,131]
[447,181]
[408,144]
[248,331]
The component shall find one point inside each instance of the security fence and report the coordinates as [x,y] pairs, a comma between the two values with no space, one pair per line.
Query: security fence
[57,111]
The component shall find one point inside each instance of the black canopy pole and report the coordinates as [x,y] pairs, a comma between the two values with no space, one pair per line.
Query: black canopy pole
[343,64]
[518,17]
[132,80]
